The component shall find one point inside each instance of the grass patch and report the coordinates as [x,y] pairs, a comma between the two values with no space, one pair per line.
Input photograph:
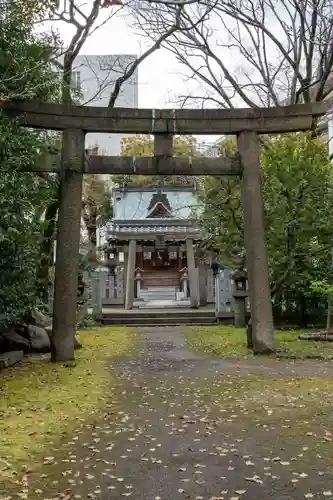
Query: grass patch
[289,407]
[272,396]
[230,342]
[40,401]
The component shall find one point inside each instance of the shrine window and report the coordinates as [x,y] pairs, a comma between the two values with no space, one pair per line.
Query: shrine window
[146,255]
[173,255]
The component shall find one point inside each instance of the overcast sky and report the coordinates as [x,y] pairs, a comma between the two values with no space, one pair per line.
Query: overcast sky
[158,79]
[161,77]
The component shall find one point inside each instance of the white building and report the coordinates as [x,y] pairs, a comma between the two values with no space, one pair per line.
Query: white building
[327,123]
[94,76]
[211,150]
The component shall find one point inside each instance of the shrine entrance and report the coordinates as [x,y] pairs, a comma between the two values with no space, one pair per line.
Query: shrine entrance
[162,259]
[161,274]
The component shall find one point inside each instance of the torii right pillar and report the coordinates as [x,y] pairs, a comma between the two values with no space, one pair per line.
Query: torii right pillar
[256,250]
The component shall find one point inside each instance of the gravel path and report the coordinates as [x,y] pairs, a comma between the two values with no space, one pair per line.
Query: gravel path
[178,433]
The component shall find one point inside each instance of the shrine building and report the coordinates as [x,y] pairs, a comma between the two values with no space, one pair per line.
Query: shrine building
[150,249]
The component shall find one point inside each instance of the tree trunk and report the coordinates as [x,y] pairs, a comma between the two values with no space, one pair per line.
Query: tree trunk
[46,247]
[277,313]
[329,314]
[90,221]
[249,335]
[92,236]
[303,308]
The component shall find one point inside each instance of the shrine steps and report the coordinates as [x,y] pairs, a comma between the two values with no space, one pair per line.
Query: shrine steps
[164,279]
[158,293]
[160,317]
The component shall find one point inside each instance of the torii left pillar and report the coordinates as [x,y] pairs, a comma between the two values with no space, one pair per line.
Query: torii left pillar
[68,241]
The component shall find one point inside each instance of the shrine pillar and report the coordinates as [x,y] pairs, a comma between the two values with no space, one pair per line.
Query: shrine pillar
[68,242]
[254,238]
[130,275]
[193,276]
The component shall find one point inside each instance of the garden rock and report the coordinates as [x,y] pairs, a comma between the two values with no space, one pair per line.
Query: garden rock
[10,358]
[48,330]
[81,313]
[39,339]
[323,336]
[77,344]
[22,330]
[12,341]
[40,319]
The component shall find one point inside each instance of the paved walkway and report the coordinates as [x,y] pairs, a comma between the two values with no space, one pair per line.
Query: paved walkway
[178,433]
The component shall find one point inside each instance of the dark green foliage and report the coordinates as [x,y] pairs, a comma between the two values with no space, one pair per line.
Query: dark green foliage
[87,322]
[25,73]
[143,145]
[24,55]
[298,200]
[22,196]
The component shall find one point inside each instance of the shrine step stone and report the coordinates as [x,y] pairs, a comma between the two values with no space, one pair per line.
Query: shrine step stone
[162,317]
[158,293]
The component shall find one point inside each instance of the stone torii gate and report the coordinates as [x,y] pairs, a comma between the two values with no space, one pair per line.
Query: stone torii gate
[76,121]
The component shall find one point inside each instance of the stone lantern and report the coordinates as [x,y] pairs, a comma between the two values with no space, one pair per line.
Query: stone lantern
[138,281]
[184,281]
[215,268]
[111,263]
[240,293]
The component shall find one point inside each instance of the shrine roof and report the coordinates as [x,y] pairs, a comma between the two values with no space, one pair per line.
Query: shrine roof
[135,188]
[170,229]
[151,222]
[152,226]
[153,203]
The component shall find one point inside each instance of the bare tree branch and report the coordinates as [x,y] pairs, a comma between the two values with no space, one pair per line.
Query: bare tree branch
[139,60]
[255,52]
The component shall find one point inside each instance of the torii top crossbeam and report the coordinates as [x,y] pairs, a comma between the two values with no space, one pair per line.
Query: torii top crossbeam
[166,121]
